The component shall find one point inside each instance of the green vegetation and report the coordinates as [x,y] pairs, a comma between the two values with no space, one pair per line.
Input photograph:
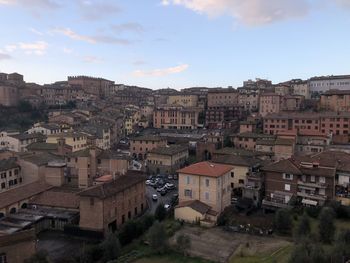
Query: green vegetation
[283,221]
[170,257]
[160,212]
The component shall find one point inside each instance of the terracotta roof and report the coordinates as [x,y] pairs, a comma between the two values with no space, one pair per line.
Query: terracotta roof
[57,197]
[320,171]
[283,166]
[22,192]
[284,141]
[147,138]
[123,182]
[43,146]
[196,205]
[206,169]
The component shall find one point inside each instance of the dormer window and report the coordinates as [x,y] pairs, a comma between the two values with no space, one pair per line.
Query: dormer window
[287,176]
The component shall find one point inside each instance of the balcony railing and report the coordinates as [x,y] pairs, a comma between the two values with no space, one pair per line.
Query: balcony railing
[313,185]
[312,196]
[267,201]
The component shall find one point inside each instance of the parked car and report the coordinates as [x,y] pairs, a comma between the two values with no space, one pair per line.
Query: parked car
[170,186]
[175,177]
[155,197]
[167,207]
[170,177]
[163,192]
[152,183]
[148,182]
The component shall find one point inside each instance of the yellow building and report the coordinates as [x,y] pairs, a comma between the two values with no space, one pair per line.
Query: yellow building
[183,100]
[206,182]
[167,159]
[77,140]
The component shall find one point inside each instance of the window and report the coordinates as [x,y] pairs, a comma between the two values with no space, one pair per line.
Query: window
[207,182]
[312,178]
[241,181]
[187,179]
[3,258]
[207,196]
[322,180]
[287,176]
[188,193]
[232,174]
[322,191]
[232,185]
[287,187]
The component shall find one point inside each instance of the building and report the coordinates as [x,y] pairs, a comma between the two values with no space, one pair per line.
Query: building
[292,102]
[97,135]
[223,108]
[16,142]
[313,183]
[206,182]
[322,122]
[17,247]
[10,174]
[96,86]
[9,95]
[248,140]
[77,140]
[185,100]
[45,128]
[105,207]
[335,100]
[142,145]
[270,103]
[176,117]
[324,83]
[167,159]
[300,87]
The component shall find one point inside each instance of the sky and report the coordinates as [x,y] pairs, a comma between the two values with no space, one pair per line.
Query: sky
[175,43]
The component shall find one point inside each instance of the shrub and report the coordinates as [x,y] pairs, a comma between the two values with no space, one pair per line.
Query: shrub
[326,225]
[303,228]
[283,221]
[160,212]
[158,238]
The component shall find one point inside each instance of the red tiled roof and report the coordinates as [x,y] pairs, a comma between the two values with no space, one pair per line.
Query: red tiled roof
[206,169]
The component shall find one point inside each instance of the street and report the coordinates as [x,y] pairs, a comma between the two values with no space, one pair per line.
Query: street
[166,199]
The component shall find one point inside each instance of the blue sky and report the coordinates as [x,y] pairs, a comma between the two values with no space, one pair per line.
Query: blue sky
[175,43]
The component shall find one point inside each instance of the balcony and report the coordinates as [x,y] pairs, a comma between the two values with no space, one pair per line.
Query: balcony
[273,202]
[312,196]
[312,185]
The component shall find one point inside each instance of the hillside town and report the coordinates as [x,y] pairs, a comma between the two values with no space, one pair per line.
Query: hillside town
[106,154]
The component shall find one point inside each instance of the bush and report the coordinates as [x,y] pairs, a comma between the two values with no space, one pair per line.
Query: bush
[313,212]
[110,247]
[283,221]
[134,229]
[340,210]
[303,228]
[326,225]
[158,238]
[160,212]
[183,243]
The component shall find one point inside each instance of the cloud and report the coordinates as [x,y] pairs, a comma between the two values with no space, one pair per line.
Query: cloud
[10,48]
[67,50]
[131,27]
[32,4]
[161,72]
[96,10]
[139,62]
[36,32]
[4,56]
[343,3]
[248,12]
[92,39]
[92,59]
[36,48]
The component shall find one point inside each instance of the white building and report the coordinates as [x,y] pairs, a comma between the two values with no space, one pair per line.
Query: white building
[324,83]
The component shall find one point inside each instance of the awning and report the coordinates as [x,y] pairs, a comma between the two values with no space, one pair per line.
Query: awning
[309,202]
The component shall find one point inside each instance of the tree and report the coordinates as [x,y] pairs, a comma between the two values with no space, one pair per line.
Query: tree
[318,255]
[110,247]
[24,106]
[183,242]
[39,257]
[157,237]
[300,254]
[160,212]
[326,227]
[228,142]
[303,228]
[283,221]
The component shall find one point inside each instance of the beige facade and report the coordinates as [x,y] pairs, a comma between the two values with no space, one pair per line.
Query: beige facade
[176,117]
[301,88]
[107,206]
[183,100]
[213,190]
[10,174]
[269,103]
[167,159]
[335,100]
[78,141]
[140,146]
[95,86]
